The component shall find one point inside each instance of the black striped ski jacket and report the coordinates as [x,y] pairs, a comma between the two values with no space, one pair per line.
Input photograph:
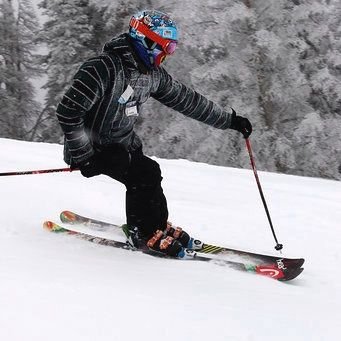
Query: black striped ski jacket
[93,112]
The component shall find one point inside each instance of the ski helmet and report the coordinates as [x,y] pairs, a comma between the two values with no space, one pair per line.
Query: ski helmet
[155,33]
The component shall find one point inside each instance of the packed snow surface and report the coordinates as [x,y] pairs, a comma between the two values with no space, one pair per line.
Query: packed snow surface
[58,287]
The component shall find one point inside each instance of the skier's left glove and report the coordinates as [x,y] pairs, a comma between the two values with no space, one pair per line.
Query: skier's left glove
[241,124]
[90,167]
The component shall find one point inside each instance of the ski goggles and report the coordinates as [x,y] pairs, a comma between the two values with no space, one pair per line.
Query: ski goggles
[167,45]
[159,57]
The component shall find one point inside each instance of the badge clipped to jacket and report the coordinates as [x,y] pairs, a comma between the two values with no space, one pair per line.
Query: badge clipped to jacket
[126,95]
[131,107]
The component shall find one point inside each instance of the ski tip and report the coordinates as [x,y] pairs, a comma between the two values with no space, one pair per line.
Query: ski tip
[280,274]
[48,225]
[53,227]
[291,274]
[67,216]
[297,263]
[302,260]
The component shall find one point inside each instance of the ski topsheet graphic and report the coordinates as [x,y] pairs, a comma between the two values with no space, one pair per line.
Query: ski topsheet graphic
[282,269]
[71,218]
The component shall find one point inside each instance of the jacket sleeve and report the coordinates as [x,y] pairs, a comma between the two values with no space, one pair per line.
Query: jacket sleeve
[88,86]
[189,102]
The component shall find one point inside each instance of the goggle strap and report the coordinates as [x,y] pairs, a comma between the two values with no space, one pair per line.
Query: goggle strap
[142,28]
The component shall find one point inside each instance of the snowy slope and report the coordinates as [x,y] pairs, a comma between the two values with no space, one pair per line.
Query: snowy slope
[55,287]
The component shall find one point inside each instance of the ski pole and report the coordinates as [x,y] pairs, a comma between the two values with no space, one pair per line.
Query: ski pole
[248,145]
[42,171]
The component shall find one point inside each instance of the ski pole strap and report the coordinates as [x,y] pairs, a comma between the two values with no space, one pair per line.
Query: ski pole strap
[253,164]
[41,171]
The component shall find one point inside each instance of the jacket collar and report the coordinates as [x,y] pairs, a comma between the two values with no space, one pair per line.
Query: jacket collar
[124,47]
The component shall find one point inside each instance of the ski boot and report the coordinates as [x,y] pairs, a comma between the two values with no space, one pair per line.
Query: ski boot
[159,241]
[165,244]
[183,237]
[134,239]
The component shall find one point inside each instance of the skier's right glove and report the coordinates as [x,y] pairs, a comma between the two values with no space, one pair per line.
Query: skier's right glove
[90,167]
[241,124]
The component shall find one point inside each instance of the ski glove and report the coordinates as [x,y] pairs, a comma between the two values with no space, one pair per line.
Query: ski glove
[241,124]
[90,167]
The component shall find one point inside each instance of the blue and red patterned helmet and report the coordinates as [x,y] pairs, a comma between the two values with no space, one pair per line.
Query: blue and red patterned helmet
[156,32]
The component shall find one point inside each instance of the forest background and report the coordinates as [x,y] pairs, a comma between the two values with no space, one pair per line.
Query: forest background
[277,62]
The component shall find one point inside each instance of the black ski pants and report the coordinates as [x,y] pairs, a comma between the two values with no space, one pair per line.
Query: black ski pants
[146,204]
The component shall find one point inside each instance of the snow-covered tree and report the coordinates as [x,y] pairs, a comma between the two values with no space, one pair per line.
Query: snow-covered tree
[297,47]
[275,62]
[18,65]
[213,37]
[69,36]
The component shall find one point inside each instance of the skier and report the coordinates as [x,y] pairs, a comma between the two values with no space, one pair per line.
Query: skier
[98,112]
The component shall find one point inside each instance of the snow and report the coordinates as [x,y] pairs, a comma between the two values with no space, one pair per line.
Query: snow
[57,287]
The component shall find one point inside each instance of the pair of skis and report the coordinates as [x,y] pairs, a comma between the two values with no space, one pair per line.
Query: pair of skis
[279,268]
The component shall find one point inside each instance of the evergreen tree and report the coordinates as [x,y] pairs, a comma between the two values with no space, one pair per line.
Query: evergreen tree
[18,109]
[118,13]
[100,34]
[69,36]
[275,62]
[315,133]
[208,60]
